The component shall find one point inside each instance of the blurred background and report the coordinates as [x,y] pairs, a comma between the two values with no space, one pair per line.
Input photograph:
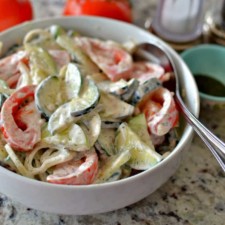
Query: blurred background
[181,23]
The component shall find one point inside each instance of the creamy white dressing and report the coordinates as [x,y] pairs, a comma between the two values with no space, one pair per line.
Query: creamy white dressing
[76,109]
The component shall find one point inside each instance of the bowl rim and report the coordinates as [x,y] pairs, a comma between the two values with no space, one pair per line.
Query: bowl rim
[187,131]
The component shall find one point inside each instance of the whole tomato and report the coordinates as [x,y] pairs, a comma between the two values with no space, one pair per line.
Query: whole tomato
[13,12]
[116,9]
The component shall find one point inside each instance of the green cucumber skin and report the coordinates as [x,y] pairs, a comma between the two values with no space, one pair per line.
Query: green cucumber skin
[86,110]
[144,89]
[92,104]
[106,140]
[111,124]
[39,94]
[3,97]
[53,85]
[127,96]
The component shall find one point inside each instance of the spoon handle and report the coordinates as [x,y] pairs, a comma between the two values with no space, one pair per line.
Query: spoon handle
[213,151]
[216,146]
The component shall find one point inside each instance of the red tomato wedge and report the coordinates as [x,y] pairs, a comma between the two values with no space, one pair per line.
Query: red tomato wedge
[160,111]
[76,172]
[13,80]
[9,66]
[117,9]
[21,120]
[115,62]
[144,71]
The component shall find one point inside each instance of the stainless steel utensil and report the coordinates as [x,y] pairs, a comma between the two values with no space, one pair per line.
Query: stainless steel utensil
[157,54]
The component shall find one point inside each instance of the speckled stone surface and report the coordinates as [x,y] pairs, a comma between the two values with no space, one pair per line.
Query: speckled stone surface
[194,195]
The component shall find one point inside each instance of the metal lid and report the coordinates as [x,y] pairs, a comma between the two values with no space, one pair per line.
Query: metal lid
[216,25]
[178,21]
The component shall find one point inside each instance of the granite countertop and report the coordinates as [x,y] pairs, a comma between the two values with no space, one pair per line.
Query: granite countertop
[194,195]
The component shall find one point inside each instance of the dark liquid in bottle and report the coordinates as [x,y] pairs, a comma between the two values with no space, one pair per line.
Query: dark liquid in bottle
[209,85]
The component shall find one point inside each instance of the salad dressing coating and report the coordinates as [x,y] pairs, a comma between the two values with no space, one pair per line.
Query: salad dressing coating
[78,110]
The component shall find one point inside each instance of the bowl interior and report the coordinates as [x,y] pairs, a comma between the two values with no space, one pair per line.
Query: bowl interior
[207,60]
[62,198]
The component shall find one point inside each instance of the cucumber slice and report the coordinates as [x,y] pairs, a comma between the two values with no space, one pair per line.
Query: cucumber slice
[113,123]
[53,91]
[56,30]
[122,89]
[139,125]
[41,60]
[67,43]
[3,84]
[111,165]
[73,138]
[126,171]
[47,95]
[61,119]
[116,176]
[132,87]
[73,81]
[106,140]
[74,109]
[3,96]
[92,128]
[44,131]
[142,156]
[144,89]
[117,87]
[87,101]
[112,107]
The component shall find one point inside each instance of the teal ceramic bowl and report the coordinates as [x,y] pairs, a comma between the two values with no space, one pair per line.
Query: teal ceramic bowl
[207,64]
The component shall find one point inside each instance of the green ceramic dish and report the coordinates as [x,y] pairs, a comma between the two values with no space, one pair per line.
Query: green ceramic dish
[208,61]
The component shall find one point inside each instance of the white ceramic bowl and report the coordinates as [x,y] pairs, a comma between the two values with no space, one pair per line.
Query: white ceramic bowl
[97,198]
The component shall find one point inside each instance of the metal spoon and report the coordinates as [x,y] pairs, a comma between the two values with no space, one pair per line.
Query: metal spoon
[156,54]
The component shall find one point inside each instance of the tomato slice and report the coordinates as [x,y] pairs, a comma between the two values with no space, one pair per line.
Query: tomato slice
[115,62]
[160,111]
[9,64]
[76,172]
[21,120]
[144,71]
[118,9]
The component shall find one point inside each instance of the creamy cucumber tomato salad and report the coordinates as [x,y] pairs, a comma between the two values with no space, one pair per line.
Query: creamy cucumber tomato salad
[78,110]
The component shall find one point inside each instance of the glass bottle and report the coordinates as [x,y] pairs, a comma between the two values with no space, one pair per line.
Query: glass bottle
[179,22]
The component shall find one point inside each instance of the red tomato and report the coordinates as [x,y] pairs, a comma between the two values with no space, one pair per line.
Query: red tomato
[160,111]
[115,62]
[20,119]
[14,12]
[117,9]
[76,172]
[9,71]
[144,71]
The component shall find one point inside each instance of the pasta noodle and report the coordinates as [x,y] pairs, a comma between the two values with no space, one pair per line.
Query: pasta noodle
[19,165]
[50,157]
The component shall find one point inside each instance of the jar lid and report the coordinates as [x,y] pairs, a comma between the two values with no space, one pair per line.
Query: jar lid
[178,21]
[215,23]
[180,46]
